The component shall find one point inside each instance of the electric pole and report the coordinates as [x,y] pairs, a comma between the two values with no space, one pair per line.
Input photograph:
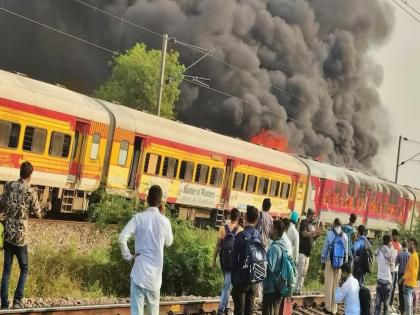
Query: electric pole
[398,159]
[162,71]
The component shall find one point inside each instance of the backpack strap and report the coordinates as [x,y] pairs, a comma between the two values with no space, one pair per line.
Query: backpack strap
[227,230]
[235,230]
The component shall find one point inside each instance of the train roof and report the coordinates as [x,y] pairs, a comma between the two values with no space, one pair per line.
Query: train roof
[33,92]
[349,176]
[147,124]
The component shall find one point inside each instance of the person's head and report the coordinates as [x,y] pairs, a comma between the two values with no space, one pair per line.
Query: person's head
[266,204]
[353,218]
[337,225]
[346,270]
[404,244]
[294,217]
[241,221]
[386,239]
[412,245]
[361,229]
[234,215]
[394,235]
[286,223]
[310,215]
[154,197]
[26,170]
[251,215]
[277,230]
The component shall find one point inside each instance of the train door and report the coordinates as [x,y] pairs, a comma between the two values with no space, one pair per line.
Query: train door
[79,149]
[293,193]
[319,200]
[134,163]
[227,180]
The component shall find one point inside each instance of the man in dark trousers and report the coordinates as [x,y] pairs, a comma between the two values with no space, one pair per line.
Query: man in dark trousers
[18,200]
[243,294]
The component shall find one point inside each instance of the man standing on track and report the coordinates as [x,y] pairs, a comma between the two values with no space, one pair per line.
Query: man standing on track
[410,277]
[360,247]
[384,259]
[395,249]
[224,246]
[350,231]
[293,235]
[401,262]
[307,234]
[265,222]
[152,231]
[18,200]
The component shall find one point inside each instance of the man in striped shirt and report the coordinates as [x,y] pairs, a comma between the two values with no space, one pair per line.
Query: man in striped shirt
[401,262]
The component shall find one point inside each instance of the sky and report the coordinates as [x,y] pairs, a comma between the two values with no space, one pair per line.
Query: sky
[400,93]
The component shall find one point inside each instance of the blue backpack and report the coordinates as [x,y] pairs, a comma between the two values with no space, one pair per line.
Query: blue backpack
[286,282]
[337,251]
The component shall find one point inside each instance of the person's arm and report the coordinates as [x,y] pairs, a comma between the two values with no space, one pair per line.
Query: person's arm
[216,250]
[325,248]
[169,237]
[35,206]
[340,293]
[296,248]
[128,231]
[273,256]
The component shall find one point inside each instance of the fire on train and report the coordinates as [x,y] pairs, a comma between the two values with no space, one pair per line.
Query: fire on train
[78,144]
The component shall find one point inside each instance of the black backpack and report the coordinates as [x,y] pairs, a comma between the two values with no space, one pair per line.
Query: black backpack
[226,248]
[366,260]
[365,301]
[254,268]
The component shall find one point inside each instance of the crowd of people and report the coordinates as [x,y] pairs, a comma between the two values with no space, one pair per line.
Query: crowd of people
[259,257]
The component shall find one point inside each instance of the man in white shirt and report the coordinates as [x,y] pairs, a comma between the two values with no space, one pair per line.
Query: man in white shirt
[152,231]
[293,235]
[348,292]
[384,258]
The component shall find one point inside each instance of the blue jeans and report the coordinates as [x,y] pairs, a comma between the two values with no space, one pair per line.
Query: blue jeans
[408,300]
[224,297]
[143,300]
[383,294]
[21,253]
[394,286]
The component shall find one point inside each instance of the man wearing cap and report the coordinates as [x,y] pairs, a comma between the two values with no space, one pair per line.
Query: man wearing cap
[293,235]
[307,234]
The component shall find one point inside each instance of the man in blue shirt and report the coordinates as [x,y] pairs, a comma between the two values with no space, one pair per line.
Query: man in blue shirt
[401,262]
[350,230]
[276,252]
[348,292]
[360,245]
[243,294]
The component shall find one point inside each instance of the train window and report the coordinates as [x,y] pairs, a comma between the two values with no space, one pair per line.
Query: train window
[238,181]
[94,149]
[337,188]
[201,174]
[263,186]
[60,144]
[152,164]
[75,143]
[122,156]
[186,171]
[34,139]
[9,134]
[274,188]
[285,190]
[170,166]
[216,176]
[251,183]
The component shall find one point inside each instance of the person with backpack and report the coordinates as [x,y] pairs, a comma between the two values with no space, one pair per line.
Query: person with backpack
[333,256]
[362,255]
[348,292]
[384,259]
[276,253]
[224,248]
[350,231]
[401,262]
[249,265]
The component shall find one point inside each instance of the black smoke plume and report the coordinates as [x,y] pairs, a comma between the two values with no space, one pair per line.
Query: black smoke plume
[307,72]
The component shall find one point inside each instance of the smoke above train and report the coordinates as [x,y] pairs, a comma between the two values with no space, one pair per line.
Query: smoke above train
[308,72]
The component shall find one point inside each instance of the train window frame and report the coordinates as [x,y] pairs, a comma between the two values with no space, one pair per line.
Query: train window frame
[199,177]
[184,167]
[121,155]
[266,184]
[242,184]
[94,148]
[287,194]
[38,151]
[248,183]
[16,139]
[64,153]
[216,180]
[165,166]
[147,162]
[277,190]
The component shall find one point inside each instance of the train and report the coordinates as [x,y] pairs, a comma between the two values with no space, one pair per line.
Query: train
[79,144]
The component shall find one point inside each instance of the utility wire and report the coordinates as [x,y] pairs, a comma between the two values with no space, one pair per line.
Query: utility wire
[406,11]
[411,7]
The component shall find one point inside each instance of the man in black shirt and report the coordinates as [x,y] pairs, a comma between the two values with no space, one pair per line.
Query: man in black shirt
[307,234]
[243,294]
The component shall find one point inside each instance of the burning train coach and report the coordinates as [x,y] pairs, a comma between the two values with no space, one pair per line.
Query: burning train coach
[77,144]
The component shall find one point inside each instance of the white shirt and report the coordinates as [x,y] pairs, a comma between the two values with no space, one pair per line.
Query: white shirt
[288,244]
[384,263]
[293,236]
[349,293]
[152,231]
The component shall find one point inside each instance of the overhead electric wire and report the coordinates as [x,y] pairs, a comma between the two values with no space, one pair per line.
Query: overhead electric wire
[411,7]
[406,11]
